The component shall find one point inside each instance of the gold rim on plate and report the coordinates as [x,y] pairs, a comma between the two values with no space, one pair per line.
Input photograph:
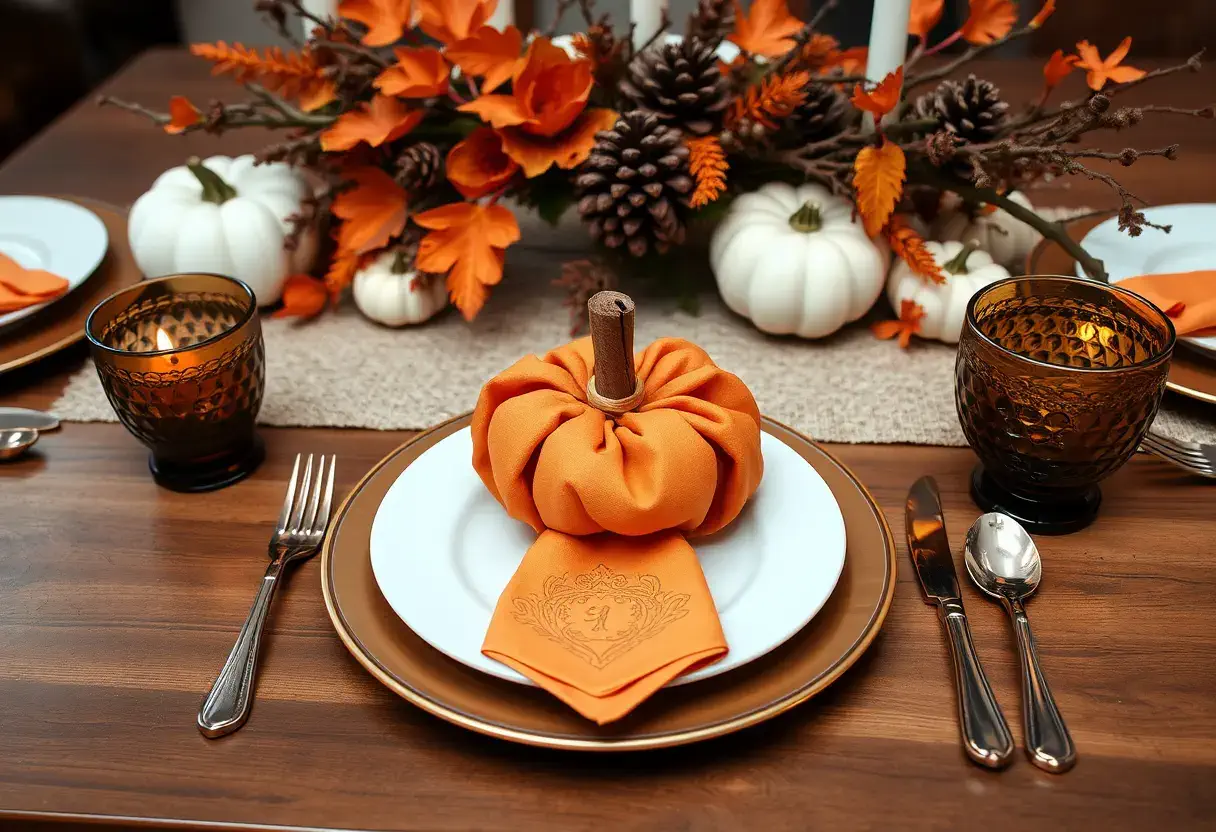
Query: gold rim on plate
[788,676]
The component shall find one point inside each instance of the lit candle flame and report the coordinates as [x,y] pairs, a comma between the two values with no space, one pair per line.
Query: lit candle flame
[163,341]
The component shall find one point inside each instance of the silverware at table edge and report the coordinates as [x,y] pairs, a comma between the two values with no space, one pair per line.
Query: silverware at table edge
[13,418]
[986,736]
[297,536]
[14,443]
[1004,563]
[1191,456]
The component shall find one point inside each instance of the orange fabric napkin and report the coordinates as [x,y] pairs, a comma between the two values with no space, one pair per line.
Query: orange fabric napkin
[610,602]
[1189,298]
[21,287]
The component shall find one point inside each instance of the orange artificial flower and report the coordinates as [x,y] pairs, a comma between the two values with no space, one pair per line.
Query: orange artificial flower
[386,20]
[381,120]
[707,163]
[418,73]
[924,16]
[883,98]
[448,21]
[770,100]
[488,53]
[1041,17]
[478,166]
[1100,71]
[765,29]
[342,270]
[910,313]
[372,212]
[303,297]
[990,20]
[1057,68]
[468,241]
[909,246]
[878,180]
[182,114]
[545,120]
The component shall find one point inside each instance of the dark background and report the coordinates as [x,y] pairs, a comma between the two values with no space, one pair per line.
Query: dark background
[52,52]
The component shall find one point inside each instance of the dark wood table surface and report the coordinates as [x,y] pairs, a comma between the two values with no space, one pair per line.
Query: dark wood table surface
[119,602]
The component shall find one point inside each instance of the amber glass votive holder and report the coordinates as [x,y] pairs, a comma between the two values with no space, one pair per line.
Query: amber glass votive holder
[182,362]
[1057,380]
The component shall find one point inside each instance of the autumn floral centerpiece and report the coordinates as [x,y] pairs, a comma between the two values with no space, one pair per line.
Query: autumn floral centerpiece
[418,118]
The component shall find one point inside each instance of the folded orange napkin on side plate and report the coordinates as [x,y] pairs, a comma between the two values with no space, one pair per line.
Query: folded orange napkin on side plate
[610,603]
[1189,298]
[21,287]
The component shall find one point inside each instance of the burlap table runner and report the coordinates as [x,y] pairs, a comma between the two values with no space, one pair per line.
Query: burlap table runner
[341,370]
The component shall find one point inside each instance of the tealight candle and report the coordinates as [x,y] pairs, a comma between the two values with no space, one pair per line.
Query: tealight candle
[182,362]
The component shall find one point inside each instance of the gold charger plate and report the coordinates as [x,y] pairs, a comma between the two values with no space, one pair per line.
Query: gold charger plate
[1190,374]
[61,324]
[789,675]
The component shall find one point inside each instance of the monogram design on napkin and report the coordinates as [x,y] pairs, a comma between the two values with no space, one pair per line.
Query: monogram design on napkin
[600,615]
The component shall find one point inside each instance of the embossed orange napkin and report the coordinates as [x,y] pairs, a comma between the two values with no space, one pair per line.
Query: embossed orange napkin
[21,287]
[610,602]
[1189,298]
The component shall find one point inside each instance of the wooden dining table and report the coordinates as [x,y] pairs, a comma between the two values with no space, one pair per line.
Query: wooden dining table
[119,601]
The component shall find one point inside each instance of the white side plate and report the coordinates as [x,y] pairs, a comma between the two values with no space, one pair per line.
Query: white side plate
[52,234]
[1188,247]
[443,549]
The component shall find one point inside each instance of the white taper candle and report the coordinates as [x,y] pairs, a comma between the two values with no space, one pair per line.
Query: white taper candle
[646,17]
[320,8]
[504,15]
[888,37]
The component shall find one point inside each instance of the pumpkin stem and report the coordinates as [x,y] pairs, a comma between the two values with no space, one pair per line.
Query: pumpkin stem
[215,189]
[807,218]
[401,263]
[958,263]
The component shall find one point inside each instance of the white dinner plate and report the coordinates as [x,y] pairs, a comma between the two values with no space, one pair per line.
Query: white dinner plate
[1190,246]
[442,550]
[51,234]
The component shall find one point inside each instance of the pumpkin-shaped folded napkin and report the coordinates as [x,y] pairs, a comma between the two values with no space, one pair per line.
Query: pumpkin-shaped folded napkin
[1189,298]
[610,602]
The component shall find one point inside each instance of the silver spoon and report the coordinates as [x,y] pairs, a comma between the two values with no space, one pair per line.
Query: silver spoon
[13,443]
[1004,563]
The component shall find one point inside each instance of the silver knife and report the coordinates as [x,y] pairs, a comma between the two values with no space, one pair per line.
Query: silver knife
[12,418]
[986,736]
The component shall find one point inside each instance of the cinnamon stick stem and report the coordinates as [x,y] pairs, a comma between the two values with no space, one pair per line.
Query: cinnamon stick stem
[611,315]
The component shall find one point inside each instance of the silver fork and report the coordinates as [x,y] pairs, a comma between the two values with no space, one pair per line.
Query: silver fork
[1196,458]
[297,536]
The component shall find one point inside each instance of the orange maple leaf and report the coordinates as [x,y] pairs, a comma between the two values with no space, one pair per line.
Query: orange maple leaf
[990,20]
[765,29]
[924,16]
[910,313]
[1057,68]
[182,114]
[878,180]
[770,100]
[418,73]
[304,296]
[468,241]
[478,165]
[291,74]
[1100,71]
[851,61]
[383,119]
[883,98]
[373,211]
[707,163]
[910,247]
[490,54]
[816,52]
[1045,12]
[386,20]
[449,21]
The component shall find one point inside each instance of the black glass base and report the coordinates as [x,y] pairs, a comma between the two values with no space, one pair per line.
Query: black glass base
[1053,515]
[210,474]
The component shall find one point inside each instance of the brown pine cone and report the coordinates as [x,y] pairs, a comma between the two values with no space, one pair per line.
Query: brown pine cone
[634,187]
[971,109]
[680,83]
[824,112]
[419,167]
[712,21]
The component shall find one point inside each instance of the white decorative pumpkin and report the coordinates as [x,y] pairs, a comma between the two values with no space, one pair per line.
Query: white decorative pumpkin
[226,216]
[945,304]
[999,233]
[794,260]
[390,294]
